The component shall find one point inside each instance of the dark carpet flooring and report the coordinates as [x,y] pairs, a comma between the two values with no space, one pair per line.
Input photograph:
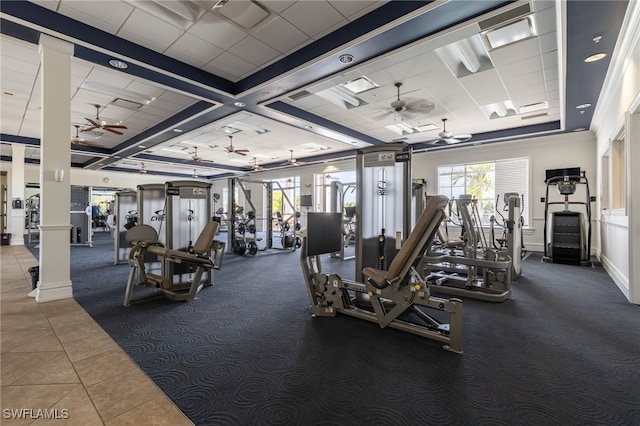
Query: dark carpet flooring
[565,350]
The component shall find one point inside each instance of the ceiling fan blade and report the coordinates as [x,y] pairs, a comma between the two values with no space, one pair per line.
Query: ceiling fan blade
[420,105]
[113,131]
[114,126]
[93,122]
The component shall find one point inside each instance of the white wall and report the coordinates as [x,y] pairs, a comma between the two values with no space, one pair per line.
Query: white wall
[549,152]
[620,91]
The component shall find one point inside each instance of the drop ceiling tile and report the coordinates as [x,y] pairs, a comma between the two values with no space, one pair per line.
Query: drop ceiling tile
[520,68]
[281,35]
[111,17]
[546,21]
[313,17]
[254,51]
[548,42]
[551,73]
[193,50]
[531,78]
[217,31]
[230,65]
[353,9]
[485,87]
[550,60]
[18,49]
[149,31]
[552,85]
[539,5]
[515,52]
[278,5]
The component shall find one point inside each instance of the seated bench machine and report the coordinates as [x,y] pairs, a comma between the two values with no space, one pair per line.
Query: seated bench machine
[145,244]
[400,290]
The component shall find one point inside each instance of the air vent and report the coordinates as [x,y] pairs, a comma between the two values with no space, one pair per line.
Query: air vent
[503,18]
[528,117]
[299,95]
[124,103]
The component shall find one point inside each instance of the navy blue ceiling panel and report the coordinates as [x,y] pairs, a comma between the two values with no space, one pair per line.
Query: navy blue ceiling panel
[46,18]
[586,21]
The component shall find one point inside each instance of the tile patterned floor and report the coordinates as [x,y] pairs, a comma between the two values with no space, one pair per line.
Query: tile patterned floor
[55,361]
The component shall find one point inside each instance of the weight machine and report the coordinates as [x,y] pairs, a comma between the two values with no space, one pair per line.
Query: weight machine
[396,297]
[126,218]
[174,212]
[472,269]
[567,234]
[144,241]
[511,240]
[337,191]
[240,223]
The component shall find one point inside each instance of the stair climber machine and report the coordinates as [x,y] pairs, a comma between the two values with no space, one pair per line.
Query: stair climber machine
[567,233]
[472,268]
[388,289]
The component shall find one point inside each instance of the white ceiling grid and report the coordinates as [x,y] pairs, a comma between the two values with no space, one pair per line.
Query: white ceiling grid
[215,44]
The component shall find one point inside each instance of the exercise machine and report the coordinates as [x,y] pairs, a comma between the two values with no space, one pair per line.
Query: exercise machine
[383,178]
[126,217]
[144,241]
[394,298]
[511,239]
[567,233]
[337,193]
[471,269]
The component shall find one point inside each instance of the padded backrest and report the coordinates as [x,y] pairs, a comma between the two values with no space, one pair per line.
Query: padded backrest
[205,239]
[422,234]
[141,233]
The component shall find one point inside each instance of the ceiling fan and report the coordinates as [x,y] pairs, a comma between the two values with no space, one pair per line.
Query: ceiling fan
[291,161]
[407,107]
[447,138]
[231,150]
[77,140]
[142,170]
[197,158]
[195,174]
[255,166]
[97,123]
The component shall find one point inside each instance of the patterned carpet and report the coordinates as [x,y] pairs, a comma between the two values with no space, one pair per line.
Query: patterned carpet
[563,351]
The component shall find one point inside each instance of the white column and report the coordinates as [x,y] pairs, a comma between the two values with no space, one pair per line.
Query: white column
[632,141]
[55,162]
[16,215]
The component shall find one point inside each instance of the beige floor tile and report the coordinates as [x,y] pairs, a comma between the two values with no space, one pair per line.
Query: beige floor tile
[89,346]
[73,332]
[21,322]
[78,408]
[25,305]
[29,341]
[158,412]
[34,368]
[104,366]
[74,315]
[34,397]
[120,394]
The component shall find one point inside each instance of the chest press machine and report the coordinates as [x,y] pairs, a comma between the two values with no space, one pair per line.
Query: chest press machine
[395,295]
[145,245]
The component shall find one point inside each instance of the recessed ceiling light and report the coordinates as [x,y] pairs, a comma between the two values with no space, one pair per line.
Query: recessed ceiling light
[307,127]
[583,106]
[116,63]
[141,146]
[595,57]
[178,130]
[346,58]
[240,104]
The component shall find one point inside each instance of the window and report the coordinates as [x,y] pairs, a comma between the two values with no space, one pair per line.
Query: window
[486,181]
